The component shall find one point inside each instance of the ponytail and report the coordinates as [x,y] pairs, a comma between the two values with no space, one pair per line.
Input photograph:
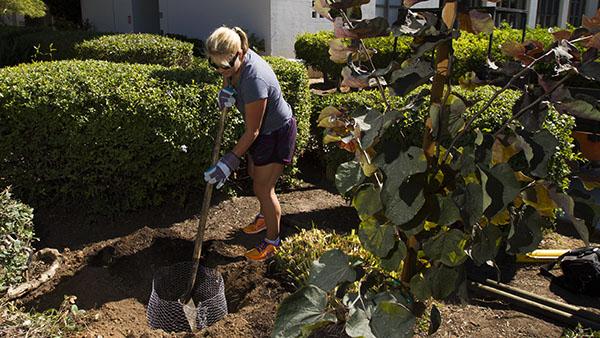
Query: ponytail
[243,38]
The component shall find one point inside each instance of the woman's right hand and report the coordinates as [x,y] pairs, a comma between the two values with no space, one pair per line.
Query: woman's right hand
[226,97]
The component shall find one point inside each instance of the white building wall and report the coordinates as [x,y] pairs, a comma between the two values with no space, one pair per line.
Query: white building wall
[145,16]
[197,19]
[108,16]
[290,18]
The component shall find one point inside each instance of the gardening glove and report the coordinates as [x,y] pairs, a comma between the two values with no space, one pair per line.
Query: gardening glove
[219,173]
[226,97]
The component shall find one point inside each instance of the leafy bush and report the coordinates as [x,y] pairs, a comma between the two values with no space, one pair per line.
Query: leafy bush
[16,237]
[28,44]
[118,136]
[137,48]
[313,48]
[470,50]
[297,253]
[67,320]
[559,124]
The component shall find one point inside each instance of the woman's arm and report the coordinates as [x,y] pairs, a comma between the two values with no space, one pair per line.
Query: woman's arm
[254,116]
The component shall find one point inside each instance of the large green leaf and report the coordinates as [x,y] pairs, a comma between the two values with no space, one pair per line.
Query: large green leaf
[370,122]
[408,201]
[348,175]
[419,287]
[470,202]
[392,261]
[448,247]
[449,212]
[305,307]
[581,108]
[379,239]
[566,203]
[502,186]
[525,232]
[442,280]
[486,244]
[391,319]
[449,122]
[367,201]
[332,268]
[397,166]
[544,146]
[358,324]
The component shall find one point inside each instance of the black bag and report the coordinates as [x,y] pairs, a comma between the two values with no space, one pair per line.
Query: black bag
[581,271]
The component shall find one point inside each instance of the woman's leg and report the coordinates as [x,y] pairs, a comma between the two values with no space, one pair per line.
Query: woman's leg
[264,180]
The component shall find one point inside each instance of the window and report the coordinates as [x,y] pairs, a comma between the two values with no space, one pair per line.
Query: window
[576,11]
[314,13]
[388,9]
[515,20]
[547,13]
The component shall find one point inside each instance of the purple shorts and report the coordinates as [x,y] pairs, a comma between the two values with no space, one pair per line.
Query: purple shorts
[275,147]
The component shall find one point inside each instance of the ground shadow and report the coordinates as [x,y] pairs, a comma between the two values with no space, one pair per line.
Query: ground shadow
[77,227]
[107,278]
[575,299]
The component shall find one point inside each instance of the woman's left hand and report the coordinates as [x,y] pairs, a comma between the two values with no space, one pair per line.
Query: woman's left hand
[219,173]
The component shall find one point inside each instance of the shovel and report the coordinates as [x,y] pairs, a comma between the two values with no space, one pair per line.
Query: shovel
[189,308]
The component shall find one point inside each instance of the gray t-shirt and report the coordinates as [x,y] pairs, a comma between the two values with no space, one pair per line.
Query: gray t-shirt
[258,81]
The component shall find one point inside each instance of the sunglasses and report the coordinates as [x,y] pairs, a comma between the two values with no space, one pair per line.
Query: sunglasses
[230,65]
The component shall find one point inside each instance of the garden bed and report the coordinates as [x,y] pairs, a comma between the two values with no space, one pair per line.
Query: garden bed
[108,264]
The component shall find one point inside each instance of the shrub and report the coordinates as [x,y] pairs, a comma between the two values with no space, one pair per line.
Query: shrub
[313,49]
[117,136]
[67,320]
[137,48]
[470,51]
[39,44]
[297,253]
[559,124]
[16,237]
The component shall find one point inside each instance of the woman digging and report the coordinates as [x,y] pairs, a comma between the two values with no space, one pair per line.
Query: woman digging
[270,129]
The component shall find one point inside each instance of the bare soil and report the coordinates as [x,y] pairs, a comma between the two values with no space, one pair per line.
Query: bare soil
[109,263]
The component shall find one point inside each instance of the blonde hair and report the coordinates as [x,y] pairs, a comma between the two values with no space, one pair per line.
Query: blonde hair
[225,41]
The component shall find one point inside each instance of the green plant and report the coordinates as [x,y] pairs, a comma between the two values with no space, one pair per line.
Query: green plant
[580,332]
[313,48]
[118,136]
[31,8]
[463,193]
[410,127]
[16,240]
[137,48]
[20,45]
[297,252]
[68,319]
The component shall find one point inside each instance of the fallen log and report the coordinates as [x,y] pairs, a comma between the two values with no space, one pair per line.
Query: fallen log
[23,288]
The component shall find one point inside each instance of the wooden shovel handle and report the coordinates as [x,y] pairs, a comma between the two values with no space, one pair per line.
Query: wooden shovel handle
[201,225]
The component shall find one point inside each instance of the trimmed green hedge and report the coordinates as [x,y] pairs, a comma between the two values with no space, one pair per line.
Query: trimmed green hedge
[313,49]
[470,50]
[412,125]
[118,136]
[19,44]
[137,48]
[16,238]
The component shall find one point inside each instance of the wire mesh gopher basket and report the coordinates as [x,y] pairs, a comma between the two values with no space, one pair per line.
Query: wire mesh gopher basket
[167,313]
